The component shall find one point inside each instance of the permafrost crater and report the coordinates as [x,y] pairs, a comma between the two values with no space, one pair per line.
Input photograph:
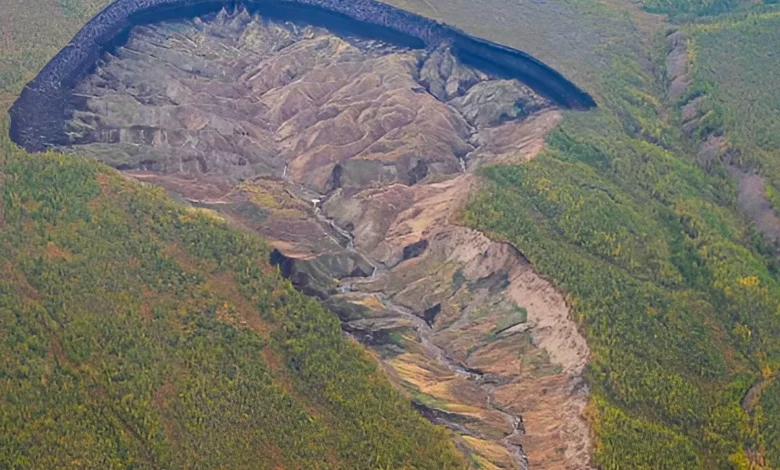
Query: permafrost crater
[347,133]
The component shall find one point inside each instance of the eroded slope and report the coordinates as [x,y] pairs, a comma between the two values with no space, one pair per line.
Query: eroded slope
[353,157]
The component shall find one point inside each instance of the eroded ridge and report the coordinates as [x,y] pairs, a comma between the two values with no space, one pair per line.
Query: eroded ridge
[353,156]
[38,115]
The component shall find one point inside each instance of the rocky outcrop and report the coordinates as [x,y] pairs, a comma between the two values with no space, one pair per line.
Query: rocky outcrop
[38,115]
[352,156]
[677,65]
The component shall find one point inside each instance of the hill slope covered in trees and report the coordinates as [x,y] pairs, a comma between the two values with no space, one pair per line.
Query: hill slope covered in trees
[675,287]
[141,335]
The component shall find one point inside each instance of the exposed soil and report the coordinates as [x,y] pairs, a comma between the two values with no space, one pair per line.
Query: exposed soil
[754,204]
[677,65]
[353,158]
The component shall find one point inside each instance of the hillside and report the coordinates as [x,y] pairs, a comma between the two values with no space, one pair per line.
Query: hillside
[142,335]
[332,146]
[675,287]
[731,111]
[667,273]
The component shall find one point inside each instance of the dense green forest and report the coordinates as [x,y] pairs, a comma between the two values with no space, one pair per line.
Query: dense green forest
[119,304]
[680,310]
[32,32]
[137,334]
[682,10]
[677,294]
[735,66]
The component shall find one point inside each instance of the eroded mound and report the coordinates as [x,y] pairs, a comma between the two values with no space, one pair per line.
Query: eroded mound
[37,116]
[352,156]
[238,96]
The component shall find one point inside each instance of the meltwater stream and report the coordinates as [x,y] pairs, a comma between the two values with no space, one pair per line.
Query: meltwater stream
[443,358]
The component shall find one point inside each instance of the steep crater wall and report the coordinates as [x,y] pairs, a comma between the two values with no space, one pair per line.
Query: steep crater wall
[38,116]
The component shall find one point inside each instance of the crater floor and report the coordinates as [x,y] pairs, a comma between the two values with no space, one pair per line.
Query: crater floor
[352,156]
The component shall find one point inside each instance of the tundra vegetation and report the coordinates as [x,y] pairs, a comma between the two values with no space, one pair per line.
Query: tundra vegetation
[32,33]
[120,305]
[692,9]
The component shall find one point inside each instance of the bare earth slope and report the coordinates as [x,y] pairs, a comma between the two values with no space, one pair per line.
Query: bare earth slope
[353,158]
